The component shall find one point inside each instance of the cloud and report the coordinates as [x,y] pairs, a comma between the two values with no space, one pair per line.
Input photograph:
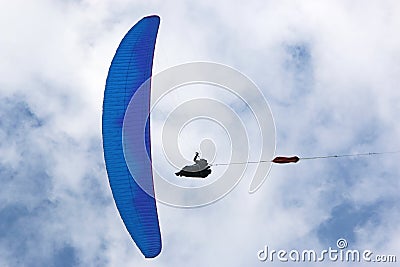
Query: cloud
[329,71]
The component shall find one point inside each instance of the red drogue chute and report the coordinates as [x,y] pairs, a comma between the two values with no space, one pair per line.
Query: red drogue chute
[284,160]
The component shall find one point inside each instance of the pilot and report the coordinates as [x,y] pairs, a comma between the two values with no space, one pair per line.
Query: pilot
[201,163]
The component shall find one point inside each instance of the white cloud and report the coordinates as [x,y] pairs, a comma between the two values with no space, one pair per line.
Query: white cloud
[54,61]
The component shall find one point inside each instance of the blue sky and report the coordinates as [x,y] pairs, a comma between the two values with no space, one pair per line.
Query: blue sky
[330,72]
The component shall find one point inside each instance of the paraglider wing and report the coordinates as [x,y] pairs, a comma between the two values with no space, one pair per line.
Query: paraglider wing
[130,68]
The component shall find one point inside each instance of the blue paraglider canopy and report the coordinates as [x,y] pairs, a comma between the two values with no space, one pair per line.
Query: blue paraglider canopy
[130,68]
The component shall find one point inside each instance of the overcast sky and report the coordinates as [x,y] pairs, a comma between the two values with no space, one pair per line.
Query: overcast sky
[329,70]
